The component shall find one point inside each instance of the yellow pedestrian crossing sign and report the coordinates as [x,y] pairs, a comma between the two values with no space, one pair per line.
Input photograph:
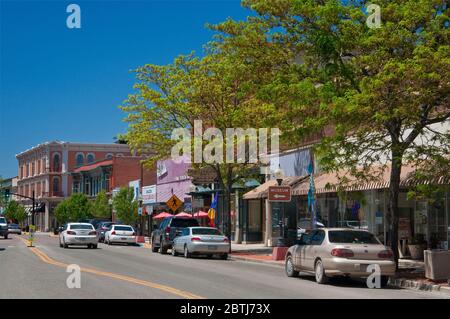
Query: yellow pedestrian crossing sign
[174,203]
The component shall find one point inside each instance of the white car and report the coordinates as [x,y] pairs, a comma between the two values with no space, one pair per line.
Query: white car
[78,234]
[120,234]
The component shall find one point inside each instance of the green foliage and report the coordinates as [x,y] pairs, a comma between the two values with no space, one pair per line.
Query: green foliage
[74,208]
[125,206]
[15,211]
[101,207]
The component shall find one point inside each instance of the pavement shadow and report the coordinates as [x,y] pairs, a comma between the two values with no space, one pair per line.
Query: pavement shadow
[344,282]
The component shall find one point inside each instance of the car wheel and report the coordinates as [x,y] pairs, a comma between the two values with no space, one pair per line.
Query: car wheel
[289,267]
[319,270]
[154,248]
[209,256]
[162,248]
[89,246]
[174,252]
[60,245]
[187,254]
[224,256]
[64,244]
[6,236]
[95,246]
[384,281]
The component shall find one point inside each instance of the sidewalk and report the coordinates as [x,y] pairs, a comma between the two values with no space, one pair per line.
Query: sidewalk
[411,274]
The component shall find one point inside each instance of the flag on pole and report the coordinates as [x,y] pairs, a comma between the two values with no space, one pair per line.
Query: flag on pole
[212,210]
[311,192]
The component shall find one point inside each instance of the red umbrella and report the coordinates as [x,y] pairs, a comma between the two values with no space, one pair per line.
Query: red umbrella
[201,214]
[162,215]
[183,214]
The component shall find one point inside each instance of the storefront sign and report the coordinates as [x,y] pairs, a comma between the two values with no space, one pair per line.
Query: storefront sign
[204,175]
[149,194]
[279,194]
[404,228]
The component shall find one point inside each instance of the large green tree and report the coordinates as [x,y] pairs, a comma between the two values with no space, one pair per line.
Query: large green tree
[219,89]
[384,91]
[125,206]
[76,207]
[15,211]
[101,207]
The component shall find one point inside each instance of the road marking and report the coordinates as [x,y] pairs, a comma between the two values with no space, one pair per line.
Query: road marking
[171,290]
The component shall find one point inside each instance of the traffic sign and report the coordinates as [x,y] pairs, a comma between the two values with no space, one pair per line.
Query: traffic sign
[174,203]
[279,194]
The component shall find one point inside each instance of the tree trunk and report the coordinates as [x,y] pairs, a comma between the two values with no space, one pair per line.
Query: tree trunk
[394,189]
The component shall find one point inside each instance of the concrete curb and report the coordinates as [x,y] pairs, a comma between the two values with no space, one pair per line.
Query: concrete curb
[414,285]
[267,262]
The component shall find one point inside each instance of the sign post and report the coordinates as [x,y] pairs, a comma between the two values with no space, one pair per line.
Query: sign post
[31,235]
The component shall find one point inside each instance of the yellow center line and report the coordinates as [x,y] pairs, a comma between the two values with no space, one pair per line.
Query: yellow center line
[171,290]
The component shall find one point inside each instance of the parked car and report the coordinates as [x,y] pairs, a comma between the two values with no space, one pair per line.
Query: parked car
[94,221]
[120,234]
[201,241]
[102,228]
[163,236]
[354,224]
[78,234]
[3,227]
[304,225]
[330,252]
[14,229]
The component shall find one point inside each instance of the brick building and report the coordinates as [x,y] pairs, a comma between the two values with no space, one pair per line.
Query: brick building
[45,170]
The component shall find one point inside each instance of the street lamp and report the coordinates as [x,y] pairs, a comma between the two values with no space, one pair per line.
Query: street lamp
[279,176]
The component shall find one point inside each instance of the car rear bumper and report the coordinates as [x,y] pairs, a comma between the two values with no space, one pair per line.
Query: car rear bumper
[15,231]
[209,248]
[122,239]
[80,240]
[357,267]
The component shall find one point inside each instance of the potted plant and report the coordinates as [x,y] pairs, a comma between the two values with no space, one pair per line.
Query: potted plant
[417,245]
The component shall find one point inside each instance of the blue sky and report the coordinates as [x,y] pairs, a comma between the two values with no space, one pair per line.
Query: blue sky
[66,84]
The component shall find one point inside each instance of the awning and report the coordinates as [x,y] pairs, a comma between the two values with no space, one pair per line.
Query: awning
[327,182]
[262,190]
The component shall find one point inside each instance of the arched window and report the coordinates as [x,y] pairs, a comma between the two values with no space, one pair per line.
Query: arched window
[90,158]
[55,184]
[109,156]
[56,163]
[80,159]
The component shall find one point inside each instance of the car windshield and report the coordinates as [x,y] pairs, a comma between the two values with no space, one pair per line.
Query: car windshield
[184,222]
[124,228]
[81,227]
[352,237]
[3,220]
[205,231]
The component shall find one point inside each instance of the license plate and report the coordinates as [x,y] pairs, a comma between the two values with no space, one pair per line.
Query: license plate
[123,238]
[81,238]
[212,247]
[363,267]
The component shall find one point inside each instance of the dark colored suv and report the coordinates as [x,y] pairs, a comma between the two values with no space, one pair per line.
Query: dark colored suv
[163,236]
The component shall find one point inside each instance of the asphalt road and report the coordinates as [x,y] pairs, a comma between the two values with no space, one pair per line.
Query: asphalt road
[135,272]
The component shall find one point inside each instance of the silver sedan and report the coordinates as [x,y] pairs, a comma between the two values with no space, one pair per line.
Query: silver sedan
[201,241]
[78,234]
[330,252]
